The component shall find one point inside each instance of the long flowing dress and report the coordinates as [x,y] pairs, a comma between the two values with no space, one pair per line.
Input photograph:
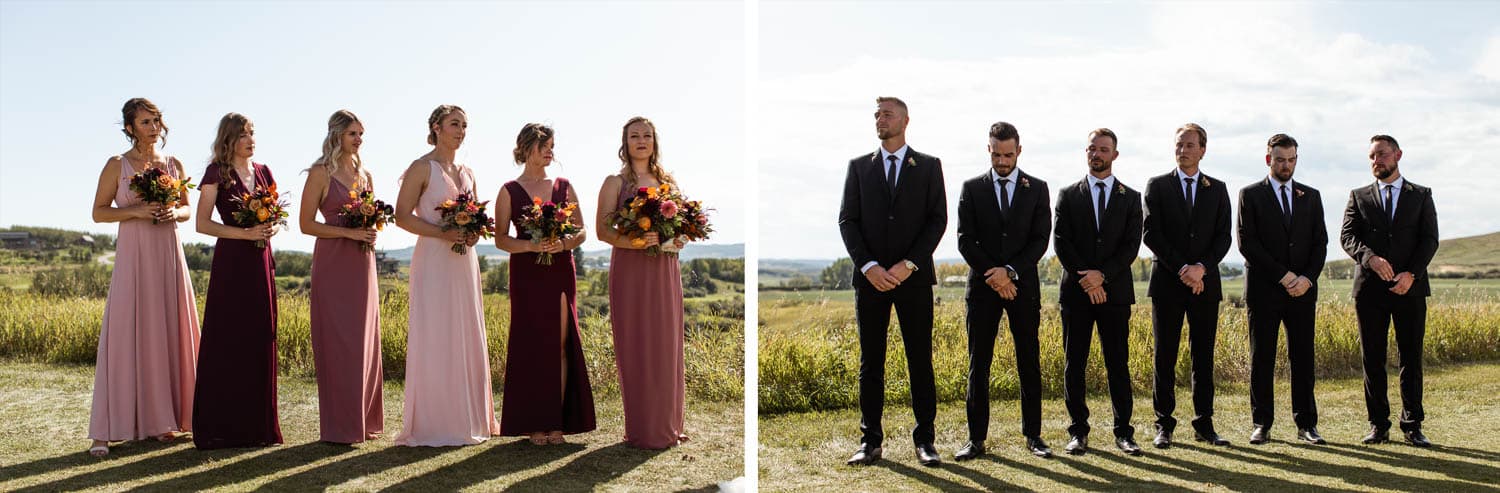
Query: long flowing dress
[537,399]
[148,344]
[235,401]
[345,301]
[645,314]
[448,395]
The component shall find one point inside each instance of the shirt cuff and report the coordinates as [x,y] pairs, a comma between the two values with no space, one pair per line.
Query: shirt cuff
[867,266]
[1009,268]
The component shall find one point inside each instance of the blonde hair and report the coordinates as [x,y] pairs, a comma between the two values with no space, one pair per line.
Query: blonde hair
[438,115]
[230,128]
[333,148]
[653,163]
[531,136]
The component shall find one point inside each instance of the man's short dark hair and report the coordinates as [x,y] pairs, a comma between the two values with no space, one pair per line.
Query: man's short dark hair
[1001,131]
[1281,140]
[1198,129]
[1107,133]
[1387,139]
[891,99]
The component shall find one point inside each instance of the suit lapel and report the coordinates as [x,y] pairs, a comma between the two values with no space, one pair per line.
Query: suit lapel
[1299,206]
[1369,198]
[1403,204]
[904,174]
[879,172]
[1176,188]
[1112,207]
[987,200]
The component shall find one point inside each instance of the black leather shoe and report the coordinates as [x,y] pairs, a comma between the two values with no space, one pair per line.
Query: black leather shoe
[1038,447]
[928,456]
[1376,435]
[865,456]
[970,451]
[1163,439]
[1078,445]
[1260,435]
[1127,445]
[1210,436]
[1415,437]
[1310,435]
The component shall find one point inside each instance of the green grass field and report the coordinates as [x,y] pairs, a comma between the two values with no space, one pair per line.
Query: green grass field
[806,451]
[45,411]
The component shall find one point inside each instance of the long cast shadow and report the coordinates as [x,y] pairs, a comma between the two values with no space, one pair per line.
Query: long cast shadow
[1078,482]
[1116,480]
[81,459]
[922,476]
[588,471]
[990,483]
[117,474]
[343,470]
[495,462]
[1362,476]
[1457,469]
[279,458]
[1198,472]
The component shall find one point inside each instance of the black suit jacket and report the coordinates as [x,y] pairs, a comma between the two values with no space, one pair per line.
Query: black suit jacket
[1408,243]
[885,227]
[1111,251]
[1018,238]
[1272,248]
[1179,235]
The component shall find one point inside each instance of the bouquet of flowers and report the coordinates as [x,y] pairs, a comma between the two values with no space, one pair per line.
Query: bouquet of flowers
[466,215]
[156,186]
[365,212]
[662,210]
[546,221]
[260,206]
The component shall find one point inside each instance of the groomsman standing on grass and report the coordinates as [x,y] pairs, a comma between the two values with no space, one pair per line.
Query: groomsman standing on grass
[1003,224]
[1284,241]
[1097,237]
[1391,230]
[893,213]
[1188,229]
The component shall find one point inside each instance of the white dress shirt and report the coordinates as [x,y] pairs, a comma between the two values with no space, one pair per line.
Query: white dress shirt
[885,165]
[1291,193]
[1109,186]
[1395,193]
[1010,185]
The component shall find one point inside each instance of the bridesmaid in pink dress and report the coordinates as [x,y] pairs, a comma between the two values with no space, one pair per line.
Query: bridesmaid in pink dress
[345,297]
[448,394]
[645,302]
[148,345]
[547,392]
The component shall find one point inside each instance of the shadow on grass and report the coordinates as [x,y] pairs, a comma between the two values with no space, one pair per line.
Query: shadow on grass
[920,476]
[588,471]
[1199,472]
[1113,480]
[989,483]
[235,471]
[81,459]
[340,471]
[1071,481]
[1461,470]
[1355,475]
[497,461]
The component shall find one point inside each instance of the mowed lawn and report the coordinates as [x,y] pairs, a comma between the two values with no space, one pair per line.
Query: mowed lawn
[806,451]
[44,416]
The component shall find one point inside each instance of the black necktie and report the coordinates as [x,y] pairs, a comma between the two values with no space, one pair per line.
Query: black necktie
[890,174]
[1188,183]
[1286,207]
[1099,212]
[1390,206]
[1004,196]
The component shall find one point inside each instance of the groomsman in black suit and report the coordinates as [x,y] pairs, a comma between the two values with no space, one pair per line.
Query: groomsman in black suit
[1097,237]
[893,214]
[1003,225]
[1391,230]
[1284,241]
[1188,229]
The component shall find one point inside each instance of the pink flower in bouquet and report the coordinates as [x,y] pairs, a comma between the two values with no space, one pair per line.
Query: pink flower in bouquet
[668,208]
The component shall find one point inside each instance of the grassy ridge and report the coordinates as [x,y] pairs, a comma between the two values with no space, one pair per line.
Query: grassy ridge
[37,328]
[809,346]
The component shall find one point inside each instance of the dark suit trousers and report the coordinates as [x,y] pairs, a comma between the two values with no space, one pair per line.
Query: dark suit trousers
[913,303]
[1166,326]
[1265,321]
[1078,322]
[1376,314]
[985,308]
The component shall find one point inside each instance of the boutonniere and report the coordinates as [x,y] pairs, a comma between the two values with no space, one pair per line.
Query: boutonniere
[1300,193]
[1025,183]
[1119,188]
[1207,183]
[911,161]
[1405,187]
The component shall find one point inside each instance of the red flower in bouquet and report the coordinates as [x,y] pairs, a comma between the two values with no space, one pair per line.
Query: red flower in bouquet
[364,211]
[662,210]
[547,221]
[154,185]
[261,206]
[463,213]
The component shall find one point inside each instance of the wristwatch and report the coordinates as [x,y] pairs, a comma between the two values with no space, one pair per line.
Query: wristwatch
[911,266]
[1012,273]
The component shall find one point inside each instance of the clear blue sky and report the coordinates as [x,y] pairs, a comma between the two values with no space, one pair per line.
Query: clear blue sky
[1330,74]
[583,67]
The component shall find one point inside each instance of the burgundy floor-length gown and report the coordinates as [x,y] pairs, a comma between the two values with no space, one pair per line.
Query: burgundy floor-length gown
[345,306]
[645,313]
[234,404]
[536,398]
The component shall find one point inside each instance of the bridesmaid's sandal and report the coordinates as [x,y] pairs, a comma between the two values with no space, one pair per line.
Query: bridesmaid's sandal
[100,449]
[372,436]
[538,439]
[168,437]
[556,438]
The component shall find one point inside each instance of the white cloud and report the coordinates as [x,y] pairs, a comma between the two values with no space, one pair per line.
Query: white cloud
[1489,60]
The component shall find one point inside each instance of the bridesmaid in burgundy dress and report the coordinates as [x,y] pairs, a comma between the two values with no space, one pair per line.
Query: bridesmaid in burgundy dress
[645,302]
[345,297]
[547,392]
[234,404]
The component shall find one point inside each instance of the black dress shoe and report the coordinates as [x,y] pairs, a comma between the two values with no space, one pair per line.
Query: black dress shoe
[1163,439]
[1310,435]
[1260,435]
[865,456]
[1211,437]
[1038,447]
[928,456]
[1127,445]
[970,451]
[1415,437]
[1078,445]
[1376,435]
